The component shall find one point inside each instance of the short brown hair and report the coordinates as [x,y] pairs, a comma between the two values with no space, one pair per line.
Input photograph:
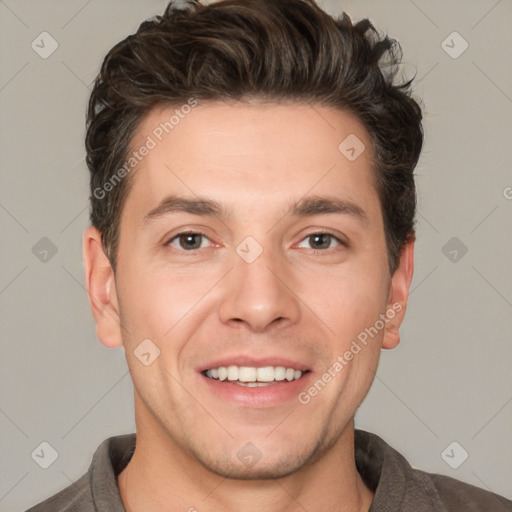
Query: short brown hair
[273,50]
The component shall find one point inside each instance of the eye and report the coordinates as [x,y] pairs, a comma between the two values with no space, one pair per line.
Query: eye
[322,241]
[189,241]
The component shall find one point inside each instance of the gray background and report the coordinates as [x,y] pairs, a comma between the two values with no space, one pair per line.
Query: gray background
[449,380]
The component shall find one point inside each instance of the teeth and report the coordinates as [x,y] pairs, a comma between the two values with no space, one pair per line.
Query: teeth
[246,374]
[265,374]
[280,373]
[232,372]
[251,376]
[253,384]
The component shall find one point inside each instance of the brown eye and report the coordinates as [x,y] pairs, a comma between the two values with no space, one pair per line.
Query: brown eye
[187,241]
[322,241]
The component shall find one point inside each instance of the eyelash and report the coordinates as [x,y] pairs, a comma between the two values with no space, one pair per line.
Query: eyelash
[326,251]
[315,251]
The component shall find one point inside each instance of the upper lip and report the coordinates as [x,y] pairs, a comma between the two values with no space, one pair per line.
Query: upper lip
[251,361]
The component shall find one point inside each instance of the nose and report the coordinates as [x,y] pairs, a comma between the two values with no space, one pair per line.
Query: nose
[260,294]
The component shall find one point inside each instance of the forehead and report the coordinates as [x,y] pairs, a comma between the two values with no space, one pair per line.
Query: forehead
[268,153]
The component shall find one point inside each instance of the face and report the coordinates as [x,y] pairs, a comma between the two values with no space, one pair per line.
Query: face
[252,255]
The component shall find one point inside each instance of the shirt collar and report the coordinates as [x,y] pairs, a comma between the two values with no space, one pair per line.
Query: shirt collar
[397,486]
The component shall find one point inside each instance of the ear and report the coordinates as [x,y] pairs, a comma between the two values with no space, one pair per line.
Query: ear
[101,288]
[398,296]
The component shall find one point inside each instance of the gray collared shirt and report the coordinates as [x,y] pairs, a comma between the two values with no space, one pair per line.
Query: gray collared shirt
[397,486]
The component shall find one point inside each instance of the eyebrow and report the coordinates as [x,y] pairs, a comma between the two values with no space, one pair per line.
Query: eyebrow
[309,206]
[319,205]
[197,206]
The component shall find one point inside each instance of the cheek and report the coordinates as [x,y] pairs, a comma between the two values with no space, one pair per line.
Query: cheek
[158,304]
[348,301]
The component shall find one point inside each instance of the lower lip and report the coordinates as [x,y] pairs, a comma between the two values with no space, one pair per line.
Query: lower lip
[258,397]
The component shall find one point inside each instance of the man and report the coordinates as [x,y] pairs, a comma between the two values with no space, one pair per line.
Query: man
[251,248]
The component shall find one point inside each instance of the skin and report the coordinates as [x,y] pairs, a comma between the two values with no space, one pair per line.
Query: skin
[202,305]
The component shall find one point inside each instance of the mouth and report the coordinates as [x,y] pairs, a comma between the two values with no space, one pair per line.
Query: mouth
[256,382]
[254,376]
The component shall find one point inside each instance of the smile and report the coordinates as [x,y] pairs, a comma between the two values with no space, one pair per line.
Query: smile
[252,376]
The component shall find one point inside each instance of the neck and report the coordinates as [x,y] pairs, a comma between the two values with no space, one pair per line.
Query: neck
[163,477]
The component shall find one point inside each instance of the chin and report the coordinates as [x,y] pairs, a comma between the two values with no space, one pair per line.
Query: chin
[284,462]
[260,471]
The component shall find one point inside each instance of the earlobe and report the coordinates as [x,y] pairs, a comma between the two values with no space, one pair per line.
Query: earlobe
[398,296]
[101,288]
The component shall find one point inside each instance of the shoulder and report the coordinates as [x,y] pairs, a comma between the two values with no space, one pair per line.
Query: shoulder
[75,498]
[97,489]
[456,495]
[399,486]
